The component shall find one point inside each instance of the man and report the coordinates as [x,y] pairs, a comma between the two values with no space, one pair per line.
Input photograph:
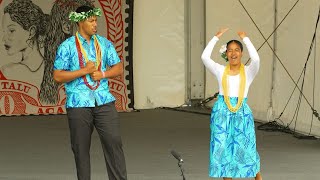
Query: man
[81,63]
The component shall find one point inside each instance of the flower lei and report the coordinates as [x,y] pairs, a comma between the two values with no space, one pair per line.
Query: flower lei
[76,17]
[223,51]
[82,53]
[225,88]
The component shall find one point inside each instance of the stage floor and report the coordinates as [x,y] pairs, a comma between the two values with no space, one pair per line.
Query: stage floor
[38,148]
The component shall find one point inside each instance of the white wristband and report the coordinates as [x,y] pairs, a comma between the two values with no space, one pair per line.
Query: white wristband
[103,74]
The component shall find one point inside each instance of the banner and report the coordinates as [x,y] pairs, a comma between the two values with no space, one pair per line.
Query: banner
[32,30]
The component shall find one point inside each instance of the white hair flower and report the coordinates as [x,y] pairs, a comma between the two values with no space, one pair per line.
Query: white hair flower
[223,48]
[223,51]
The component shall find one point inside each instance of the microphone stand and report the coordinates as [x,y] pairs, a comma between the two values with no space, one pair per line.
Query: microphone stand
[181,169]
[180,162]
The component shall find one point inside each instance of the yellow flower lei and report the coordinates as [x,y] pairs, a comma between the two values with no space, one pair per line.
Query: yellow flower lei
[97,48]
[225,88]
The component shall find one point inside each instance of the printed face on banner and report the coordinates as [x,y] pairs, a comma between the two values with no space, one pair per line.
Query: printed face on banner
[31,31]
[14,36]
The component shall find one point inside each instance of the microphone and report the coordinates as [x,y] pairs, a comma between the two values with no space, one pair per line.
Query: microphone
[176,155]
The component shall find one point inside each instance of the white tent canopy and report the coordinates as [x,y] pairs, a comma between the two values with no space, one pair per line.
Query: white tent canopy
[169,38]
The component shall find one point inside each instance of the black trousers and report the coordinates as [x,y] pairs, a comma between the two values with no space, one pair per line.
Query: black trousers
[106,121]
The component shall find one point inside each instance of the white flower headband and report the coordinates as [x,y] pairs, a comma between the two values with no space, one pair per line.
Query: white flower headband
[223,51]
[76,17]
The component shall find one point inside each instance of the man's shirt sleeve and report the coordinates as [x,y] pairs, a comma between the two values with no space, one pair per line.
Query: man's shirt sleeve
[112,55]
[62,59]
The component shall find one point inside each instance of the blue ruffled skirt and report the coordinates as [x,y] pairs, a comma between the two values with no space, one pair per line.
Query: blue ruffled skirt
[233,150]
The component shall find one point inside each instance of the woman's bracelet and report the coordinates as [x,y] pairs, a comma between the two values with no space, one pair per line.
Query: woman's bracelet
[103,74]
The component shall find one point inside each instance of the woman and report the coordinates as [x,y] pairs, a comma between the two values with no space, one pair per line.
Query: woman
[24,29]
[233,151]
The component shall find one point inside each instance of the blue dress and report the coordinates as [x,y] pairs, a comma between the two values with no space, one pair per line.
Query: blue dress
[233,151]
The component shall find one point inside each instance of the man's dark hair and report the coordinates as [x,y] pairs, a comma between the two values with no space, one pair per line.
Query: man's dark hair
[83,9]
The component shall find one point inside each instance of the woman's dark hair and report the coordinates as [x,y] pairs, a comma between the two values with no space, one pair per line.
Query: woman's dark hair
[237,42]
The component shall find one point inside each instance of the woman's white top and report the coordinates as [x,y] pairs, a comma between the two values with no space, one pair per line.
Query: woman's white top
[233,81]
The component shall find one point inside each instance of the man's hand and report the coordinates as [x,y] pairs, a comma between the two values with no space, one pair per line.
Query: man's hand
[90,67]
[96,75]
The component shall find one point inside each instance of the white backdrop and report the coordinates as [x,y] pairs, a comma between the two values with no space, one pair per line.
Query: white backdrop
[294,39]
[159,56]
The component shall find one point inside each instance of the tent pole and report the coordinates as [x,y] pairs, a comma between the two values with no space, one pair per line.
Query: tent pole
[187,21]
[270,112]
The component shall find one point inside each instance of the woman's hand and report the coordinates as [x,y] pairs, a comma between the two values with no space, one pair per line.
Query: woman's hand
[221,31]
[242,34]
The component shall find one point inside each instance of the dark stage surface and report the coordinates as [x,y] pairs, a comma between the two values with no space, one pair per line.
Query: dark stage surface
[38,148]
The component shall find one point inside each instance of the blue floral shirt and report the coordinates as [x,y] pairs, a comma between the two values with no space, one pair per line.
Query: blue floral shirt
[77,92]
